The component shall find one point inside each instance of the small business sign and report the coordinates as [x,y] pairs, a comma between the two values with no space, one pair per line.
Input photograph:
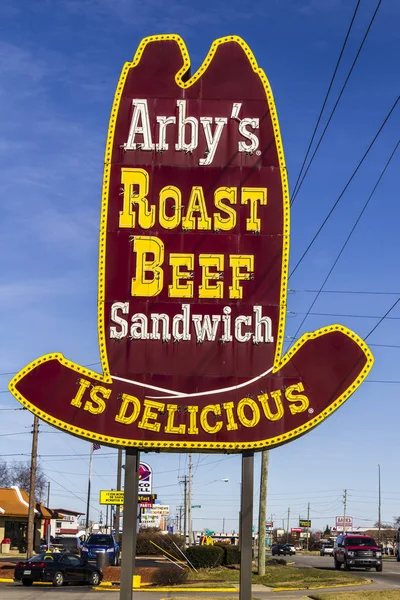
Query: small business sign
[145,505]
[147,498]
[159,509]
[304,522]
[111,497]
[147,520]
[344,523]
[269,524]
[296,530]
[193,273]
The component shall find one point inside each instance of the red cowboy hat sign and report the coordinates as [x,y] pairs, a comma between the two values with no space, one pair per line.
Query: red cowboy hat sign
[193,269]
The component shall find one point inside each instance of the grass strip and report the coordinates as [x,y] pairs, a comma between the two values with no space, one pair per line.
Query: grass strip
[378,595]
[279,576]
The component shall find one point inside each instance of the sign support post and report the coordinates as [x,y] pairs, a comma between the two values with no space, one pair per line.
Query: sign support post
[246,523]
[132,462]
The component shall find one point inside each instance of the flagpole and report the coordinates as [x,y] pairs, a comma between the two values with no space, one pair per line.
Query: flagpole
[89,484]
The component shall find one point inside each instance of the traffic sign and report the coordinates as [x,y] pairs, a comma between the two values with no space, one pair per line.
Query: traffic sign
[196,505]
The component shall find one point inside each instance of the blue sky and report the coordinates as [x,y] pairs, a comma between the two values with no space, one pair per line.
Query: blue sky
[59,64]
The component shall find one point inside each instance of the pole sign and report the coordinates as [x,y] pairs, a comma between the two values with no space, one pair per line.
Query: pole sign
[111,497]
[304,522]
[159,509]
[193,273]
[145,478]
[344,522]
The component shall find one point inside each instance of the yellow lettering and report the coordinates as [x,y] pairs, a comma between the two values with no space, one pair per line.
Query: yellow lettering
[148,414]
[241,413]
[83,386]
[272,416]
[170,427]
[136,188]
[197,204]
[193,429]
[149,277]
[177,289]
[220,196]
[216,409]
[95,395]
[128,402]
[238,262]
[231,424]
[301,400]
[170,193]
[208,289]
[254,196]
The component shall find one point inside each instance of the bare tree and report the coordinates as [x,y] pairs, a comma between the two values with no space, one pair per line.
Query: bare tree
[20,476]
[5,476]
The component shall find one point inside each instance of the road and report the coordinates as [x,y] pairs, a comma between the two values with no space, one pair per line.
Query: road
[390,575]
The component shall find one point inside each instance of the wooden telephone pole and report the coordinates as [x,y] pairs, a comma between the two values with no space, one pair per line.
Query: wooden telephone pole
[32,485]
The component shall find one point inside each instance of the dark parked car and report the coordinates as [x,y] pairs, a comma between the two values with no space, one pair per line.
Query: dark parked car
[67,543]
[357,551]
[60,568]
[101,542]
[282,549]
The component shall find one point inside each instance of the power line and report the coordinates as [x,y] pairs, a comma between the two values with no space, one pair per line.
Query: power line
[349,237]
[325,99]
[338,100]
[345,188]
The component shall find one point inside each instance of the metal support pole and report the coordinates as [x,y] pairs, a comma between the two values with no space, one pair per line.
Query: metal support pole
[30,541]
[132,462]
[246,523]
[262,516]
[190,535]
[118,508]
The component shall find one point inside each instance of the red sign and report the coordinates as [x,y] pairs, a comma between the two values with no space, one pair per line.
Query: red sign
[296,530]
[193,269]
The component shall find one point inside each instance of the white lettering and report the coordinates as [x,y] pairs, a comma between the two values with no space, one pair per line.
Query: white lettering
[249,135]
[260,321]
[212,141]
[183,121]
[203,327]
[140,112]
[115,318]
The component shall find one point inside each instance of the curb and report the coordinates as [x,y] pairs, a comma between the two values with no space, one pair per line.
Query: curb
[169,589]
[322,587]
[4,580]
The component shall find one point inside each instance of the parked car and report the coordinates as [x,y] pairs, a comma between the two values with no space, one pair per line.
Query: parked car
[59,568]
[357,551]
[282,549]
[101,542]
[326,550]
[65,543]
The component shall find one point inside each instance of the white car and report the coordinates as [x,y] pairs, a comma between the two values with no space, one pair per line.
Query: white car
[326,550]
[291,548]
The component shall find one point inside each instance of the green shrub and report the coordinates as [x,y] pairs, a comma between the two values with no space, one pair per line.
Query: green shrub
[170,575]
[205,557]
[231,553]
[144,547]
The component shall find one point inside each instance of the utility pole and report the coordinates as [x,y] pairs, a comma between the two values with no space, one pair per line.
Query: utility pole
[344,510]
[287,527]
[379,504]
[32,485]
[184,480]
[89,485]
[117,507]
[180,509]
[48,526]
[262,514]
[308,527]
[190,533]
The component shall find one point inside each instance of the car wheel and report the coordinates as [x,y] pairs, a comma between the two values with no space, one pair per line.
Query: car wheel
[397,557]
[27,582]
[94,578]
[346,565]
[337,565]
[58,579]
[379,568]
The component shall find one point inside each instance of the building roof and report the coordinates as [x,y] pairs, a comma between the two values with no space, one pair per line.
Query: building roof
[15,503]
[66,511]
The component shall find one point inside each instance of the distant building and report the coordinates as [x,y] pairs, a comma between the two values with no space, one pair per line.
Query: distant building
[66,523]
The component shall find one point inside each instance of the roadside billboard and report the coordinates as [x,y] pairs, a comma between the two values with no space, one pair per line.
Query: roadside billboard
[193,273]
[344,523]
[148,521]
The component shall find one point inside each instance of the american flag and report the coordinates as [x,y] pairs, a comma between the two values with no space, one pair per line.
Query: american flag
[96,446]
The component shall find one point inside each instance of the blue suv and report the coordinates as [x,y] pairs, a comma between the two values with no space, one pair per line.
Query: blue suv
[101,542]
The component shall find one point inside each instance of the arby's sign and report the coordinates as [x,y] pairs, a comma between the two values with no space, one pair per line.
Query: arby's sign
[193,269]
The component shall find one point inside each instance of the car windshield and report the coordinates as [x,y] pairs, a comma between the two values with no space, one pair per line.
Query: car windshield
[39,558]
[359,541]
[100,539]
